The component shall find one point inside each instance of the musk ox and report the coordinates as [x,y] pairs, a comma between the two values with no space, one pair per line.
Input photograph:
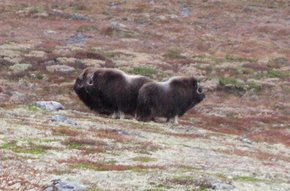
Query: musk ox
[110,90]
[168,99]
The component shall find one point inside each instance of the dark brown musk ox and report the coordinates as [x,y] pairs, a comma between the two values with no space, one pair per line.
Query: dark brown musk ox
[169,99]
[111,90]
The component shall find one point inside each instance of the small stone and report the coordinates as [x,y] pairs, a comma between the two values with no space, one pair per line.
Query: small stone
[50,62]
[245,140]
[60,68]
[49,105]
[20,67]
[184,12]
[222,186]
[63,119]
[77,38]
[61,185]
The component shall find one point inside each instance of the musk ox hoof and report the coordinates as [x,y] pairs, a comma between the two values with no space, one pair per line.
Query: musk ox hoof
[118,115]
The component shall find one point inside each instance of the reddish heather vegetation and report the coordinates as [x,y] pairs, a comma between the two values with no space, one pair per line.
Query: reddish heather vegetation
[237,138]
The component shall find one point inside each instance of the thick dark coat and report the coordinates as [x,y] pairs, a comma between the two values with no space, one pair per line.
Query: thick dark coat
[111,89]
[168,99]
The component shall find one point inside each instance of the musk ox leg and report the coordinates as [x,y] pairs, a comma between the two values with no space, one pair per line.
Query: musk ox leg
[115,115]
[118,115]
[176,120]
[121,115]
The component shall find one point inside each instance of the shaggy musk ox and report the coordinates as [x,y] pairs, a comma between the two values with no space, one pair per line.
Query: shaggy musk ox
[109,90]
[168,99]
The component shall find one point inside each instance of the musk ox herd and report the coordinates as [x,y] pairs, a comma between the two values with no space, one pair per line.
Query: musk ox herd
[113,92]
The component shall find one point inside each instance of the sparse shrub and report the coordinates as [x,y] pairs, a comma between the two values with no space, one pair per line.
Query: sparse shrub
[33,108]
[143,159]
[29,149]
[228,81]
[63,130]
[174,54]
[248,179]
[87,28]
[143,71]
[106,165]
[80,143]
[278,74]
[253,85]
[232,58]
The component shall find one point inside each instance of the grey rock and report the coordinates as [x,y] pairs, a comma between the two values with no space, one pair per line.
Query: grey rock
[49,105]
[78,17]
[50,62]
[77,38]
[63,119]
[123,132]
[117,25]
[61,185]
[222,186]
[246,140]
[114,6]
[184,12]
[60,68]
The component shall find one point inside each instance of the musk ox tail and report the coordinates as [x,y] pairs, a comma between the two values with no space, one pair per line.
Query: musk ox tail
[143,112]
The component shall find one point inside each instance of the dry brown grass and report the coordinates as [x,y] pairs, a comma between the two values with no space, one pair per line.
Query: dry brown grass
[264,156]
[271,136]
[81,141]
[64,130]
[111,134]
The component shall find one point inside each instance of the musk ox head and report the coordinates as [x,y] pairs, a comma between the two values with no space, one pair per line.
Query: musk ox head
[85,89]
[198,94]
[80,88]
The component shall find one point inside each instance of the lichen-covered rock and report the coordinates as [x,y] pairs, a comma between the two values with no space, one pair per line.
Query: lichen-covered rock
[61,185]
[60,68]
[63,119]
[49,105]
[222,186]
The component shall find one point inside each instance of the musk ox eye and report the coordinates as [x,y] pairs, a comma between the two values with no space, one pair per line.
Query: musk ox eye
[199,90]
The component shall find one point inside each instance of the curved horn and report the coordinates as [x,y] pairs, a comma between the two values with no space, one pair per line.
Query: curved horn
[199,90]
[90,81]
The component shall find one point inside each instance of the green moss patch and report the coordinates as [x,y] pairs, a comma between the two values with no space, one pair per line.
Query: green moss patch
[248,179]
[29,149]
[143,159]
[144,71]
